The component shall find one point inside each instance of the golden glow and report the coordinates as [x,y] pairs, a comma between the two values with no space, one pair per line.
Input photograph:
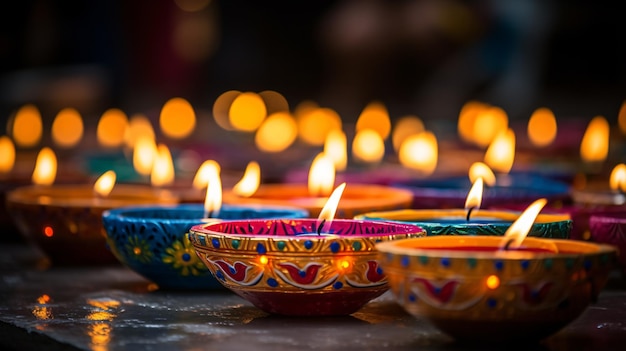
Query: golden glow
[321,176]
[42,312]
[314,124]
[144,154]
[27,127]
[518,231]
[139,126]
[250,181]
[7,150]
[490,122]
[405,127]
[276,133]
[177,118]
[48,231]
[344,264]
[192,5]
[336,147]
[368,146]
[467,119]
[201,179]
[163,167]
[247,112]
[104,303]
[67,128]
[595,144]
[501,153]
[475,195]
[374,117]
[43,299]
[420,152]
[330,208]
[274,102]
[213,198]
[492,282]
[105,183]
[111,128]
[621,118]
[45,167]
[263,260]
[481,170]
[542,127]
[617,180]
[221,106]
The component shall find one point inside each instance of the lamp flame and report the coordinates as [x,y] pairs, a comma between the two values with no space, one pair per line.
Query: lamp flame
[595,144]
[617,180]
[321,176]
[335,147]
[420,152]
[501,152]
[163,167]
[7,150]
[144,155]
[201,179]
[45,168]
[250,181]
[327,214]
[213,199]
[481,170]
[474,197]
[518,231]
[368,146]
[105,183]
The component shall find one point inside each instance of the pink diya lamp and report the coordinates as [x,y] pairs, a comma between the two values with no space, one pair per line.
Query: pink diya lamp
[65,221]
[357,198]
[497,289]
[300,267]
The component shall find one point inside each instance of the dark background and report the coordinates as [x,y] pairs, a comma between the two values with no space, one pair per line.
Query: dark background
[422,57]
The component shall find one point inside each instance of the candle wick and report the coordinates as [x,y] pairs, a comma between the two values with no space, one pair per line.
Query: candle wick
[508,244]
[469,213]
[319,227]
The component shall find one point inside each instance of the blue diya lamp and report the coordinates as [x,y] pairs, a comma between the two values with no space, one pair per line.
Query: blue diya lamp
[153,240]
[519,189]
[481,222]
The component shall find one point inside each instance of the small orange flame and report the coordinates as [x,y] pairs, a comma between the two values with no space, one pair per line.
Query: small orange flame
[481,170]
[105,183]
[327,214]
[595,144]
[336,147]
[518,231]
[475,196]
[490,122]
[250,181]
[374,117]
[163,167]
[213,199]
[368,146]
[420,152]
[45,168]
[618,178]
[542,127]
[144,155]
[501,153]
[201,179]
[7,150]
[321,176]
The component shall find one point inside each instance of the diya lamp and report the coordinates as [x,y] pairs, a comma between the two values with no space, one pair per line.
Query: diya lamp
[300,267]
[471,220]
[153,241]
[610,228]
[358,198]
[64,220]
[497,289]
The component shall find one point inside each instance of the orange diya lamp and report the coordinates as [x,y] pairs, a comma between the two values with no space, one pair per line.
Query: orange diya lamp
[356,199]
[497,289]
[65,221]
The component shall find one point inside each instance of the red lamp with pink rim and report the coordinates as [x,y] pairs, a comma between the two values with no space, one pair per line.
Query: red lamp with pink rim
[300,267]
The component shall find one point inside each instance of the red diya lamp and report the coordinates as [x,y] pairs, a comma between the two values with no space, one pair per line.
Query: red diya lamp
[301,267]
[497,289]
[357,198]
[65,220]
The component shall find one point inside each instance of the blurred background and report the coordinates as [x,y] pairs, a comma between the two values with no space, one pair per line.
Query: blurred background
[424,57]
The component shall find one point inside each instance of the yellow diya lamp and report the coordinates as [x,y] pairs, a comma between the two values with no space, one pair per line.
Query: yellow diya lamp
[300,267]
[357,198]
[497,289]
[65,221]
